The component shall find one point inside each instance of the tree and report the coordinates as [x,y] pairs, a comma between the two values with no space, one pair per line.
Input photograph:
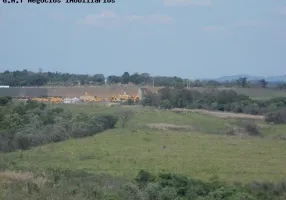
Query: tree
[113,79]
[263,83]
[136,78]
[242,81]
[125,78]
[5,100]
[98,78]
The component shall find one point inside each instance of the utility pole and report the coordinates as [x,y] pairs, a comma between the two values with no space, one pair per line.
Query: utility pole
[188,84]
[153,82]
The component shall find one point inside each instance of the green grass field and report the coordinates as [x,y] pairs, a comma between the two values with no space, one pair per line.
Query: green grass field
[201,153]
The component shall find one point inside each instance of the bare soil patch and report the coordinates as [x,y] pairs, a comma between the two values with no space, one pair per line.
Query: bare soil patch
[166,127]
[220,114]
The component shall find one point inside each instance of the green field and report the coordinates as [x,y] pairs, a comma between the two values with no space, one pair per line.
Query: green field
[201,152]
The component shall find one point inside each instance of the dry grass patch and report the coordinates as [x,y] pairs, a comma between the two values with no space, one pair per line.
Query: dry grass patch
[219,114]
[15,176]
[166,127]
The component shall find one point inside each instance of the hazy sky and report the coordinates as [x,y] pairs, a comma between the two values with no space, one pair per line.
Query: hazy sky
[186,38]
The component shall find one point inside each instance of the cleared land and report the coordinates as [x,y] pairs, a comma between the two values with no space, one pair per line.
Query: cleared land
[220,114]
[201,152]
[108,91]
[254,93]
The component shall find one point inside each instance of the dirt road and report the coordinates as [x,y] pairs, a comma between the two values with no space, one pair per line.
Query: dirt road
[220,114]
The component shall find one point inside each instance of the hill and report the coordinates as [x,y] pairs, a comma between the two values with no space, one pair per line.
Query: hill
[191,144]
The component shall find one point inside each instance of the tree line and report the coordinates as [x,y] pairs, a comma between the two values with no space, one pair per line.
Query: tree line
[30,124]
[221,100]
[40,78]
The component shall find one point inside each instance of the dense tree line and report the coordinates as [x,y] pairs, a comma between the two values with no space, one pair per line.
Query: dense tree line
[24,125]
[221,100]
[28,78]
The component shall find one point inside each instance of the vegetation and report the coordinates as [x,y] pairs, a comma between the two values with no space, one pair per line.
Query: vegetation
[30,124]
[200,152]
[277,117]
[221,100]
[40,78]
[142,153]
[146,186]
[94,167]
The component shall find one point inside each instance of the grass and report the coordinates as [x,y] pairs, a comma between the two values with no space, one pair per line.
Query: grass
[199,122]
[194,153]
[260,93]
[255,93]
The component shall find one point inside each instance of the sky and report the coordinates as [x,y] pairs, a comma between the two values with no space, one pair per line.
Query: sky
[185,38]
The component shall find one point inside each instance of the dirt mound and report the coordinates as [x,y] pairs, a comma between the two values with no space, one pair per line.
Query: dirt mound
[166,127]
[220,114]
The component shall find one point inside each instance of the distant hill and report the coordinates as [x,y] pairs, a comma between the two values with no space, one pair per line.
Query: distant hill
[252,78]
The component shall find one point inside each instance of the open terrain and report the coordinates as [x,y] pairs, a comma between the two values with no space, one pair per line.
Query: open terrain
[192,144]
[219,113]
[108,91]
[254,93]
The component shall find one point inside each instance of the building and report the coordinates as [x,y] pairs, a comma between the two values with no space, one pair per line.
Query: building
[71,100]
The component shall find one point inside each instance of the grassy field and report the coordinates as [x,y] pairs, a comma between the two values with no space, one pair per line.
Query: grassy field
[200,153]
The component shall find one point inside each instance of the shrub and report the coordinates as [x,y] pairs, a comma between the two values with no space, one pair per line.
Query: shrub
[252,109]
[28,125]
[168,193]
[132,192]
[5,100]
[222,100]
[166,104]
[144,177]
[251,128]
[214,105]
[152,191]
[277,117]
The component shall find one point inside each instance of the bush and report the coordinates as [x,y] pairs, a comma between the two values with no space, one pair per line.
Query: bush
[5,100]
[252,109]
[277,117]
[168,193]
[62,184]
[221,100]
[251,128]
[28,125]
[166,104]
